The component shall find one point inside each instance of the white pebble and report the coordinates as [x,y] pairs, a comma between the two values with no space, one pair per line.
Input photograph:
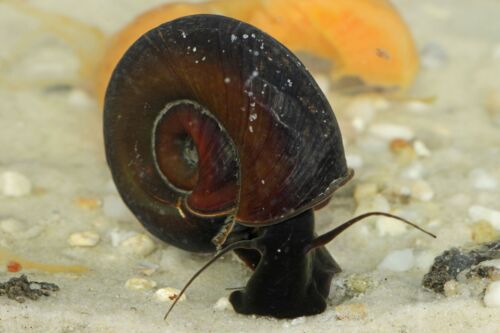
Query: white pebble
[12,226]
[114,207]
[491,263]
[391,131]
[80,99]
[139,244]
[421,149]
[492,295]
[14,184]
[482,180]
[362,111]
[480,213]
[223,304]
[414,171]
[398,261]
[83,239]
[354,161]
[139,284]
[117,236]
[422,190]
[168,295]
[417,106]
[298,321]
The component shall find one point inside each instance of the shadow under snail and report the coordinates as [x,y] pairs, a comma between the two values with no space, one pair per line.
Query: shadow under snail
[219,139]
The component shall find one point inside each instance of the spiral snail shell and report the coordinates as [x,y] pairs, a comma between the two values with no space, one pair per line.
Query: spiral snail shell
[207,117]
[209,123]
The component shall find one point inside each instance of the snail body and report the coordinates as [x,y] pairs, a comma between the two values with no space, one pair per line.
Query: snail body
[218,137]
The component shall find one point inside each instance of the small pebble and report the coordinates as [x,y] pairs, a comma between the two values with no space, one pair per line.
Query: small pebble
[492,295]
[391,131]
[147,268]
[15,184]
[483,232]
[361,111]
[168,295]
[88,203]
[482,180]
[139,244]
[84,239]
[480,213]
[223,304]
[357,283]
[421,149]
[422,190]
[298,321]
[398,261]
[117,236]
[139,284]
[451,288]
[80,99]
[414,171]
[491,263]
[354,311]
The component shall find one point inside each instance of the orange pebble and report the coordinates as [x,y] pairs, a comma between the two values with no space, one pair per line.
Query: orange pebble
[13,266]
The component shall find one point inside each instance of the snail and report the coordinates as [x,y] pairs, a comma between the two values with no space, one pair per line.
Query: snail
[219,139]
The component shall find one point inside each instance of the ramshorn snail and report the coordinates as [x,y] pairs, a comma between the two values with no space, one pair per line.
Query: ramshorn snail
[218,137]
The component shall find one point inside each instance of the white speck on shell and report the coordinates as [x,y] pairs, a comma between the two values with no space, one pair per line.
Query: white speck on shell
[84,239]
[14,184]
[492,295]
[168,294]
[139,284]
[479,213]
[227,80]
[398,261]
[223,304]
[138,244]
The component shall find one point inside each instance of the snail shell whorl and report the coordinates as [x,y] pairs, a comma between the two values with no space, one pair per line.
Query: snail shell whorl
[207,116]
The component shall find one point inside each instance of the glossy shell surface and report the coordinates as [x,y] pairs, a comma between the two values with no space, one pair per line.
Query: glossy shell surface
[264,141]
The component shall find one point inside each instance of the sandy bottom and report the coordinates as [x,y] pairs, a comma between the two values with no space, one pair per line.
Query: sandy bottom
[50,132]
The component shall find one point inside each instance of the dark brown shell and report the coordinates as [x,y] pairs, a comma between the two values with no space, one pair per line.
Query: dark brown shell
[281,151]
